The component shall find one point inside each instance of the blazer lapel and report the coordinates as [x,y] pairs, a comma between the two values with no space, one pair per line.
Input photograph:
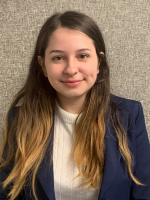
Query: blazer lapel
[112,154]
[112,158]
[45,173]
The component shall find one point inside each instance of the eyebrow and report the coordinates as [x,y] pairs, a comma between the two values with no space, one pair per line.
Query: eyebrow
[84,49]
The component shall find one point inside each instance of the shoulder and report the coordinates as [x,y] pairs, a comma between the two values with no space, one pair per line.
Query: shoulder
[131,115]
[126,104]
[133,120]
[128,108]
[12,114]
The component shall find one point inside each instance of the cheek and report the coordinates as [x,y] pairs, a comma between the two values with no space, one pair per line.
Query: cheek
[91,70]
[91,74]
[51,69]
[53,72]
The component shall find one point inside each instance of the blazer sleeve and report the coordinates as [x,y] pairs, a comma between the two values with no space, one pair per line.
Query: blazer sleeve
[141,154]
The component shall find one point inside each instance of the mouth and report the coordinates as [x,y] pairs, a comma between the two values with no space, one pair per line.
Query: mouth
[73,81]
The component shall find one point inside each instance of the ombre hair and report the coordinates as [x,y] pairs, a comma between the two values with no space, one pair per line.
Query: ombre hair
[27,137]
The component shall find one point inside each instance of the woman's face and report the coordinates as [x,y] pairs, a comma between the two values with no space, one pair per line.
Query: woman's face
[71,57]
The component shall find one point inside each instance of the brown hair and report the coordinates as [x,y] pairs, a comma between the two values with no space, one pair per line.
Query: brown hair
[28,136]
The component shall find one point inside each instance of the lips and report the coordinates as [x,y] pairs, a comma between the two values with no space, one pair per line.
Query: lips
[71,81]
[72,84]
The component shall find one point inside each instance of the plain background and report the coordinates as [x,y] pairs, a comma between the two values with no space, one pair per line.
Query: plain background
[125,25]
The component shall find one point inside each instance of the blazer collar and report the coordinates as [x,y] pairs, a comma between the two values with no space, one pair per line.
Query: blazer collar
[45,174]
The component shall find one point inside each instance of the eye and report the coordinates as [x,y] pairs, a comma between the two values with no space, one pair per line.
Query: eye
[83,56]
[57,58]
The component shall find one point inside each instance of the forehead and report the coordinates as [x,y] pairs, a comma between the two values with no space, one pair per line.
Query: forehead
[64,37]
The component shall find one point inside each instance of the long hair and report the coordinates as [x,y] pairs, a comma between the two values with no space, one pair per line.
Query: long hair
[27,137]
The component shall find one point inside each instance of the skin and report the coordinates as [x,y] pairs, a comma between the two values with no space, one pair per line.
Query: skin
[70,64]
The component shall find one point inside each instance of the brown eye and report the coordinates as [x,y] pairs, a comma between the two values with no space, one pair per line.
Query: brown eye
[57,58]
[83,56]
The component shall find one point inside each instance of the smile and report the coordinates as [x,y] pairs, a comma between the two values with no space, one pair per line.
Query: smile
[72,84]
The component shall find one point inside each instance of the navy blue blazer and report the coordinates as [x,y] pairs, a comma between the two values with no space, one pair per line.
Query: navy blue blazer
[116,183]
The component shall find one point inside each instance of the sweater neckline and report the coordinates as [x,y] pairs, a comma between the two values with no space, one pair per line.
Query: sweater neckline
[64,115]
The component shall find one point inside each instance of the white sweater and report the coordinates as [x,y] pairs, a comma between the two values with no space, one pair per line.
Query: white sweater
[65,168]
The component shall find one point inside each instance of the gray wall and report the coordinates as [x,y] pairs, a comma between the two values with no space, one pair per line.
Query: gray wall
[125,25]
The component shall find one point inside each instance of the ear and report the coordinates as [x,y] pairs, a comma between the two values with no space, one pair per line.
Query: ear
[99,61]
[102,53]
[41,63]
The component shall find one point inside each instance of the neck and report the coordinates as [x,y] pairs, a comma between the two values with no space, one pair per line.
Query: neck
[71,105]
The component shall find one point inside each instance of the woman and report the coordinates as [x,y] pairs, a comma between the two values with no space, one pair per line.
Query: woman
[71,138]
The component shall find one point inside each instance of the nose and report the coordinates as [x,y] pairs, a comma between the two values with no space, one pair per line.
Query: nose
[71,67]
